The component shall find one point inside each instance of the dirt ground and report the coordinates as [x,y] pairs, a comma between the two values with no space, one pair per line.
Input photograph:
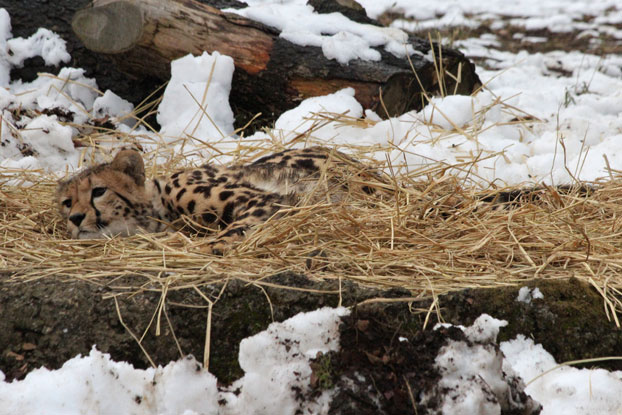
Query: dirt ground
[46,322]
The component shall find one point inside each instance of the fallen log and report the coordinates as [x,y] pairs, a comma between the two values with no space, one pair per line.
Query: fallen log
[272,74]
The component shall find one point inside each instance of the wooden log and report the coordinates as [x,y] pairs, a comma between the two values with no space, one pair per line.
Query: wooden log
[272,74]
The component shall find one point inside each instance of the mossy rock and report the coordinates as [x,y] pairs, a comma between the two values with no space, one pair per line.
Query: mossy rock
[49,321]
[570,321]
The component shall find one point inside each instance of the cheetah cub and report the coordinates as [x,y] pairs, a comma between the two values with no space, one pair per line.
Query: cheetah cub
[115,198]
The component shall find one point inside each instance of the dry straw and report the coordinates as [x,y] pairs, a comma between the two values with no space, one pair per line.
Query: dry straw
[426,231]
[423,231]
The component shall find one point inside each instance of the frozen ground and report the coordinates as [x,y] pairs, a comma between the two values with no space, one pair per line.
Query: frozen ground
[277,370]
[275,362]
[542,117]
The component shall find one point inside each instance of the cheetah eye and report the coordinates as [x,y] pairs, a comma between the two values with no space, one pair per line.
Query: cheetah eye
[67,203]
[98,191]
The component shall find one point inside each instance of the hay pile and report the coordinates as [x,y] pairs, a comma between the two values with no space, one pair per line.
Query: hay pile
[424,232]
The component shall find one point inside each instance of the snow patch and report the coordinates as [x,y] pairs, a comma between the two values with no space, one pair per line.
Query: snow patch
[275,361]
[95,384]
[14,51]
[112,105]
[565,390]
[339,37]
[196,100]
[526,294]
[474,379]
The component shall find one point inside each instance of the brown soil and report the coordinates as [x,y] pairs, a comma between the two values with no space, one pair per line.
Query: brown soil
[46,322]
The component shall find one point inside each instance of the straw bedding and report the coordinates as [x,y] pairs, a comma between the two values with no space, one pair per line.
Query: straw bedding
[425,232]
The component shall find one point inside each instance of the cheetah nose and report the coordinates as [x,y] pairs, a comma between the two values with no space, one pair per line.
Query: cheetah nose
[77,218]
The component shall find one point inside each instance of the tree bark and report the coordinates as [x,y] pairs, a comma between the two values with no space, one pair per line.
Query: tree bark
[28,16]
[272,75]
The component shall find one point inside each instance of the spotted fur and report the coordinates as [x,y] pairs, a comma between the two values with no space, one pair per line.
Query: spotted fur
[115,199]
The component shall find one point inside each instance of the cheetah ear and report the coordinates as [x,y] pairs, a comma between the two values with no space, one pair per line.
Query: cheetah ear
[131,163]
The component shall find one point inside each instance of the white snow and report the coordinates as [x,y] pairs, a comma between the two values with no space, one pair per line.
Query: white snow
[472,377]
[13,52]
[298,121]
[112,105]
[37,131]
[275,361]
[526,294]
[542,117]
[339,37]
[469,371]
[96,384]
[566,390]
[196,99]
[554,15]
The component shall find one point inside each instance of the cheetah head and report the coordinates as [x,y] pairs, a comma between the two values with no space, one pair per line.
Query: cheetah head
[106,200]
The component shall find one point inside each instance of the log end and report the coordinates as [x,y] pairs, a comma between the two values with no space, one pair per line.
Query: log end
[112,28]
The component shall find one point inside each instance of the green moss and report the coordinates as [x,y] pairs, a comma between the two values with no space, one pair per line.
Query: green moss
[569,322]
[245,319]
[324,375]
